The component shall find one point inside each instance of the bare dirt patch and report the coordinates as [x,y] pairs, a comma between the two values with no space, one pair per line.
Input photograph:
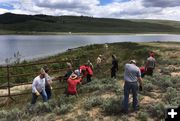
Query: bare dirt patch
[148,100]
[175,74]
[15,89]
[108,95]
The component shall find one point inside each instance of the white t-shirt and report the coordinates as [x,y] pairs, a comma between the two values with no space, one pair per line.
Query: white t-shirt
[38,84]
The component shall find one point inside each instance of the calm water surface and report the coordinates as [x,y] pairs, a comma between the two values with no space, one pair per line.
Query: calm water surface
[36,46]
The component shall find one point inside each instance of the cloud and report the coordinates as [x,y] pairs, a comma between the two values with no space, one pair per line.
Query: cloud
[67,4]
[161,3]
[139,9]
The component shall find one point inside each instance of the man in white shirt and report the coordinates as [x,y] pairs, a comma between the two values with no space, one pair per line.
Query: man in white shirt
[38,87]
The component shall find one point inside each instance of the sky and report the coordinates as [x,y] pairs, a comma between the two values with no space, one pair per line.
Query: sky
[124,9]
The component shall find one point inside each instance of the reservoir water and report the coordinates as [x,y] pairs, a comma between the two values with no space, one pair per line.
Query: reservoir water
[37,46]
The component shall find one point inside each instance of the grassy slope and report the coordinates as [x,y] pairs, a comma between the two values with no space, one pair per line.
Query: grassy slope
[101,98]
[24,24]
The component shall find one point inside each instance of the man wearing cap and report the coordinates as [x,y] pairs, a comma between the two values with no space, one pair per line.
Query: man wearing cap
[132,75]
[150,64]
[38,87]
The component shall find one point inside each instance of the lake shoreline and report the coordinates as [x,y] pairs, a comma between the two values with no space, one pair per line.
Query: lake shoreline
[84,33]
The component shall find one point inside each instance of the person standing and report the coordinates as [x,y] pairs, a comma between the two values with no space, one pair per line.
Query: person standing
[114,67]
[150,64]
[48,82]
[89,73]
[98,61]
[69,71]
[38,87]
[90,64]
[132,75]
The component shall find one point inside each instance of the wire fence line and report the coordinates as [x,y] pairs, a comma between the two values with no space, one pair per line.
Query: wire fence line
[8,77]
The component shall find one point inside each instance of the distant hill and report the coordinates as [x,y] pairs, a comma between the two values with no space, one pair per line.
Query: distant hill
[14,23]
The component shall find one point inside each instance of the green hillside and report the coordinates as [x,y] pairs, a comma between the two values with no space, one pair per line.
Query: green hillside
[32,24]
[101,99]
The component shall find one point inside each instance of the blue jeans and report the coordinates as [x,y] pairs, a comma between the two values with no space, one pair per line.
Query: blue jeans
[130,86]
[34,97]
[48,92]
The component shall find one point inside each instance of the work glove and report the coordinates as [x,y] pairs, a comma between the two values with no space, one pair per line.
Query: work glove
[140,88]
[37,93]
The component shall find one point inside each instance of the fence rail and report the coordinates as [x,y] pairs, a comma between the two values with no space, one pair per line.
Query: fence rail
[9,76]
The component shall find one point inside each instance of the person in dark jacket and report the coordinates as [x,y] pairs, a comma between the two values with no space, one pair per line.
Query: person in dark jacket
[48,82]
[114,68]
[69,71]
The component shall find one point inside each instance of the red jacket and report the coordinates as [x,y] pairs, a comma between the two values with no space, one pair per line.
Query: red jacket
[142,69]
[72,85]
[83,67]
[89,70]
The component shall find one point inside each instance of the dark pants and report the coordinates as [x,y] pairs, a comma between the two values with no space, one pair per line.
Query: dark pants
[48,92]
[89,78]
[149,71]
[72,93]
[34,97]
[113,72]
[143,74]
[130,87]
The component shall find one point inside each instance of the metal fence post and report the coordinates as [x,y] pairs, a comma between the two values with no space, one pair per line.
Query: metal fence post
[9,87]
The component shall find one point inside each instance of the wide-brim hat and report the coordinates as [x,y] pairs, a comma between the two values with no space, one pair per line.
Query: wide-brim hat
[133,61]
[73,76]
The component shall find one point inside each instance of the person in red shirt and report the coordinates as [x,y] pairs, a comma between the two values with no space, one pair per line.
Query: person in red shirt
[73,80]
[83,71]
[89,73]
[143,71]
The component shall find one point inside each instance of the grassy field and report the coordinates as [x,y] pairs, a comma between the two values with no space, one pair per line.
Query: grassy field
[42,24]
[101,99]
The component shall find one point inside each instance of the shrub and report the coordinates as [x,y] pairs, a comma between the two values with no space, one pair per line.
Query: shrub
[63,99]
[142,116]
[3,114]
[83,117]
[172,96]
[65,108]
[92,102]
[148,87]
[14,114]
[57,110]
[162,81]
[40,108]
[100,85]
[52,103]
[124,118]
[50,117]
[112,106]
[156,110]
[56,66]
